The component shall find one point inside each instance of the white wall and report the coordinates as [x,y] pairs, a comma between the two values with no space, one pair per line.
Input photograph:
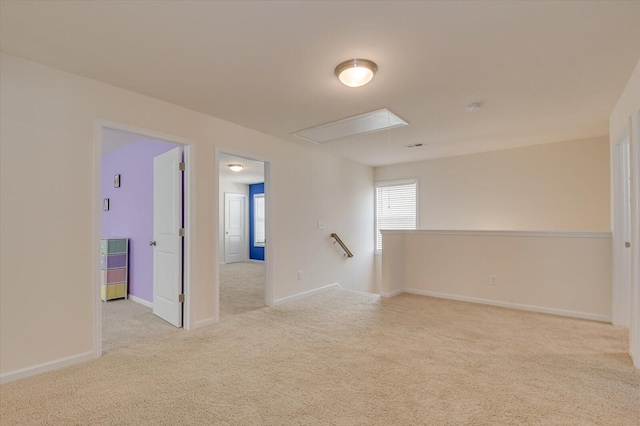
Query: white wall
[561,186]
[624,119]
[46,188]
[566,274]
[235,188]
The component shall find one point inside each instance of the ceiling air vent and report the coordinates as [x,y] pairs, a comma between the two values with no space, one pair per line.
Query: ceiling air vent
[374,121]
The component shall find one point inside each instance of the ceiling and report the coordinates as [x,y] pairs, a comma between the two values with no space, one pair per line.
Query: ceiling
[543,71]
[253,171]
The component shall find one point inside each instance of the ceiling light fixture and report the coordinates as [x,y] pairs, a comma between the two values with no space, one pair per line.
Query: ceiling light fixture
[474,107]
[236,167]
[356,72]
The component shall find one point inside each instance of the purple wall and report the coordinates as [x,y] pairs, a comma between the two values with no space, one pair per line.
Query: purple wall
[130,212]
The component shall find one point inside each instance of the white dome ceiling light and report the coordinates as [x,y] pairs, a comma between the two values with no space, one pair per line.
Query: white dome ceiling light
[356,72]
[236,167]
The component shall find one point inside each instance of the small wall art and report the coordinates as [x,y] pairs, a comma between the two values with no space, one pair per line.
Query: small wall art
[105,204]
[116,181]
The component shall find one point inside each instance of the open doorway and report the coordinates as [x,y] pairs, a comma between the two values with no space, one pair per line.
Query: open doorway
[141,270]
[242,234]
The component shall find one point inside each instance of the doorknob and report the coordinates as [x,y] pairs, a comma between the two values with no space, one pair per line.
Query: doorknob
[152,243]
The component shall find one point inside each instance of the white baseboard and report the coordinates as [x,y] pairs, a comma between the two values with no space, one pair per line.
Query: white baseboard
[256,261]
[393,293]
[364,293]
[47,366]
[141,301]
[307,294]
[541,309]
[204,323]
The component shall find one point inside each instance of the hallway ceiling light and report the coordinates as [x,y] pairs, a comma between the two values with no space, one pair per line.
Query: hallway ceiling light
[356,72]
[236,167]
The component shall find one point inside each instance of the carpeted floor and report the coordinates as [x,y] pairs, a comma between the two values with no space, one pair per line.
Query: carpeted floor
[125,323]
[241,287]
[341,358]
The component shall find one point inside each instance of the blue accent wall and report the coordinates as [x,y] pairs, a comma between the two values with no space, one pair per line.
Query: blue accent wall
[255,253]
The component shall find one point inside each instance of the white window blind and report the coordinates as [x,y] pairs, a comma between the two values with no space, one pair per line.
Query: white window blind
[396,207]
[259,237]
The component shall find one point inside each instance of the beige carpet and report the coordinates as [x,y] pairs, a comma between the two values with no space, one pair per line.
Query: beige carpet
[125,323]
[241,287]
[341,358]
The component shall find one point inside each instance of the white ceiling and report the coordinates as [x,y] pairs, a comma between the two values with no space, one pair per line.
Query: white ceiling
[253,171]
[544,71]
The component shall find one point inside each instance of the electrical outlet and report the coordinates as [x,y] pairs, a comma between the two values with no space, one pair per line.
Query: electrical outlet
[300,275]
[322,225]
[493,279]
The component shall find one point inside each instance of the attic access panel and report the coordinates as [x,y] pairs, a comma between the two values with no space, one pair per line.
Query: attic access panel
[369,122]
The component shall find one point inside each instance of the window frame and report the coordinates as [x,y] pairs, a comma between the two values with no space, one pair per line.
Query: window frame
[384,183]
[255,220]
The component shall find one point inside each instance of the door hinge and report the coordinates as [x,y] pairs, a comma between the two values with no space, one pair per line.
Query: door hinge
[181,166]
[627,244]
[181,298]
[181,232]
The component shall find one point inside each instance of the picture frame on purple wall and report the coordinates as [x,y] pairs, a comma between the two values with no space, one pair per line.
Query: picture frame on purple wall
[116,181]
[105,204]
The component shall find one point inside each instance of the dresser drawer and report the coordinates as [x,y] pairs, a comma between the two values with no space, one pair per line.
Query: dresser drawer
[116,276]
[117,260]
[117,246]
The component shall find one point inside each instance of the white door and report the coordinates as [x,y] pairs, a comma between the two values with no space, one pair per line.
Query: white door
[621,314]
[234,227]
[167,221]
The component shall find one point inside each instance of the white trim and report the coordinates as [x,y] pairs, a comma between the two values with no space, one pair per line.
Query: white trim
[307,293]
[382,183]
[255,261]
[204,323]
[392,294]
[365,293]
[47,366]
[530,308]
[501,233]
[141,301]
[621,302]
[96,219]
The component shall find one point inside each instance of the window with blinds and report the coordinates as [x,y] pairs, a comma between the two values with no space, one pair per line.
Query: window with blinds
[396,207]
[259,235]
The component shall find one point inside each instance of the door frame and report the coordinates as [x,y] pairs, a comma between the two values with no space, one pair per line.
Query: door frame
[189,220]
[622,263]
[245,207]
[269,248]
[634,329]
